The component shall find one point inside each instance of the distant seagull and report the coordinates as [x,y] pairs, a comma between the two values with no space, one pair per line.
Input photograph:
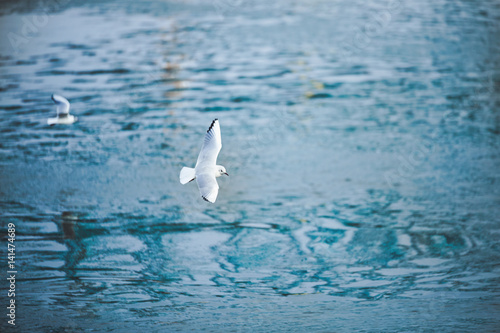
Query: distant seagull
[206,169]
[63,116]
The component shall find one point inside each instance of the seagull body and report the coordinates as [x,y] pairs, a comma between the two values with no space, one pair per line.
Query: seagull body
[62,107]
[206,169]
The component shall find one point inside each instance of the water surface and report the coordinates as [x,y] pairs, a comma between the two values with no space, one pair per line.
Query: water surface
[361,139]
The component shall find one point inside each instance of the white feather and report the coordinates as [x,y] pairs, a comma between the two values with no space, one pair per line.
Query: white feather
[187,175]
[62,108]
[62,104]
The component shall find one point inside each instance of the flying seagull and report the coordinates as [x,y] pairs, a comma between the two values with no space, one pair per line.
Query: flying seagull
[206,169]
[62,107]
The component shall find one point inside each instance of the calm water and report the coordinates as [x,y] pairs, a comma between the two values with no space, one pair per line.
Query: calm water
[361,138]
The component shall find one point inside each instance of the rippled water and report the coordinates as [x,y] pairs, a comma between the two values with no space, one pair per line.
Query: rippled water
[362,140]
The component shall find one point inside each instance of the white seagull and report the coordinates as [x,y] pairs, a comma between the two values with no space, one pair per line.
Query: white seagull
[63,116]
[206,169]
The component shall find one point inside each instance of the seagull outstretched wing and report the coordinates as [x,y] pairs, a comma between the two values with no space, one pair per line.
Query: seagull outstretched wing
[211,146]
[62,105]
[208,186]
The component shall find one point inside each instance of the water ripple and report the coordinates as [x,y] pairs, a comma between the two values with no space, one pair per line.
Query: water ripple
[363,171]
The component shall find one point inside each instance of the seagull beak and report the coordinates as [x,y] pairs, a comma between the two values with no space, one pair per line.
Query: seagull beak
[226,173]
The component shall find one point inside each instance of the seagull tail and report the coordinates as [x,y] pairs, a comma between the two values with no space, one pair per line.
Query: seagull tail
[187,175]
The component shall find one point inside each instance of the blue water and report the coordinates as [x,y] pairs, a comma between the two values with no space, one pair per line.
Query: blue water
[361,138]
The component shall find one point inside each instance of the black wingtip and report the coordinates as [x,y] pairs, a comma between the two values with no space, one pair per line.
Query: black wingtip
[212,124]
[205,199]
[52,97]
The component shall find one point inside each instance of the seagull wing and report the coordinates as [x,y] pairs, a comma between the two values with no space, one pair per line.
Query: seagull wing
[211,146]
[208,186]
[62,105]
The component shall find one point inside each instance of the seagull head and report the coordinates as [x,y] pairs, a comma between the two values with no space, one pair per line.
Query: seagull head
[221,171]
